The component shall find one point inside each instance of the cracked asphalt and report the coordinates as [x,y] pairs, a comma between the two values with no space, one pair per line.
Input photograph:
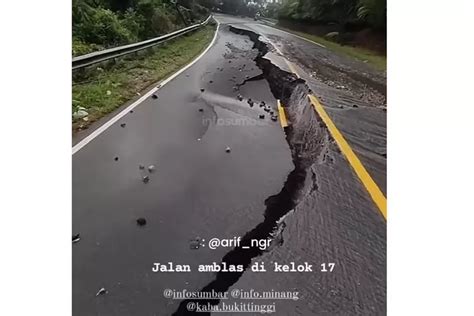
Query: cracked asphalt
[293,186]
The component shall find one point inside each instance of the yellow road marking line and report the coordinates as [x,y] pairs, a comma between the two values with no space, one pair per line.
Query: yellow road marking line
[282,115]
[354,161]
[369,183]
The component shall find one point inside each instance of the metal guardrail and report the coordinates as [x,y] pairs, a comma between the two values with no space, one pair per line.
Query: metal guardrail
[97,57]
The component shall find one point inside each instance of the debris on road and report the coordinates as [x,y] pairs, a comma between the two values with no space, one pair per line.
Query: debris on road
[76,238]
[145,179]
[151,168]
[227,150]
[195,243]
[101,292]
[141,221]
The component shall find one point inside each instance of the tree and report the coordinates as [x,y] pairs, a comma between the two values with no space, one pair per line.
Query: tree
[371,12]
[374,12]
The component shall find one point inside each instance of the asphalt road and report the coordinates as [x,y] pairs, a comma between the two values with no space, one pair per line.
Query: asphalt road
[295,187]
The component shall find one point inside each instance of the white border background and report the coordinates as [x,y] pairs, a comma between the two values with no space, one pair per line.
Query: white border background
[430,166]
[35,161]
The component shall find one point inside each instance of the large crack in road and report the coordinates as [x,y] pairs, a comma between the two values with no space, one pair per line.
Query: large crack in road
[290,185]
[309,142]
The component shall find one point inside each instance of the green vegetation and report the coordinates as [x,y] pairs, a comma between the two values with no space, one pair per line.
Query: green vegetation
[353,13]
[356,28]
[99,24]
[378,61]
[101,90]
[362,13]
[353,23]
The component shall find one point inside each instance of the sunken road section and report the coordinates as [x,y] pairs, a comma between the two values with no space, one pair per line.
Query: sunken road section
[310,144]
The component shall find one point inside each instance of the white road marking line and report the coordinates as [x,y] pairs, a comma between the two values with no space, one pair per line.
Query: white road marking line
[109,123]
[303,38]
[271,43]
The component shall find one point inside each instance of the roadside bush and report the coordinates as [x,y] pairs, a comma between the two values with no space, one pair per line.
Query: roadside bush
[108,23]
[374,12]
[209,4]
[289,10]
[271,10]
[370,13]
[81,11]
[133,22]
[192,14]
[161,23]
[81,48]
[103,27]
[156,18]
[199,11]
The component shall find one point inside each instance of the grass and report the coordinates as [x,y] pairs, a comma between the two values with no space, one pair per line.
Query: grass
[378,61]
[102,90]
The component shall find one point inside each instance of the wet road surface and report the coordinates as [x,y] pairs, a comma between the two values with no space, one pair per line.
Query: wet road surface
[292,186]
